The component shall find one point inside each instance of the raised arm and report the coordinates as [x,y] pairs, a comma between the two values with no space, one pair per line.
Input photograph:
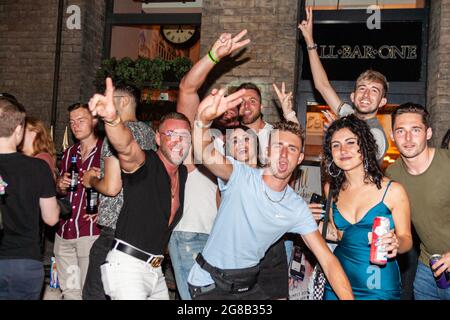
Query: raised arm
[320,77]
[285,99]
[131,156]
[212,107]
[188,99]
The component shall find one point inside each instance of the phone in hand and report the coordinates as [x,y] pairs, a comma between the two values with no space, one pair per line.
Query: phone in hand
[297,267]
[316,198]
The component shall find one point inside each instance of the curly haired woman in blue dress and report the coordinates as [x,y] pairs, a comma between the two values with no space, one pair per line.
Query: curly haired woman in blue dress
[361,193]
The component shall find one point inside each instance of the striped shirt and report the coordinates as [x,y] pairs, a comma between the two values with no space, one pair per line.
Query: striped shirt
[77,226]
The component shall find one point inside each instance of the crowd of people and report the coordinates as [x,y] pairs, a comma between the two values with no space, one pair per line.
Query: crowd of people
[211,185]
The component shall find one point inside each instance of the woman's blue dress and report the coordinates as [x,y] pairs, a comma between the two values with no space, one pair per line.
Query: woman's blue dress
[368,281]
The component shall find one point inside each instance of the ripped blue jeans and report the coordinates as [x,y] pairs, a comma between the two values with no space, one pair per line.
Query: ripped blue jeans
[183,249]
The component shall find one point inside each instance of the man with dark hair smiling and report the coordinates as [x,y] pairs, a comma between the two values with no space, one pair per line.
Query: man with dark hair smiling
[425,174]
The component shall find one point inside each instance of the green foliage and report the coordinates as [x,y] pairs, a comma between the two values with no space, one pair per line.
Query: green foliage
[143,72]
[180,66]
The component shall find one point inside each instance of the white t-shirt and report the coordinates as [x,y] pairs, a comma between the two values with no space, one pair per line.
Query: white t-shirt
[200,207]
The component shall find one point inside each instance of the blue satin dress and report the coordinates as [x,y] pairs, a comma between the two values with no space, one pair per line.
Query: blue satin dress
[368,281]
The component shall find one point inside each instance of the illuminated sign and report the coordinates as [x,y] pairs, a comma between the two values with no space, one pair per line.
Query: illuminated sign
[348,49]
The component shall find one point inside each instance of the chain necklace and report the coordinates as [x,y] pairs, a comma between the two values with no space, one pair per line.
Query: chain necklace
[274,201]
[174,187]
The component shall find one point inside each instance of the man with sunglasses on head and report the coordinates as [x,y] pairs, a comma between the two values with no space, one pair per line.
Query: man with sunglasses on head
[153,186]
[107,181]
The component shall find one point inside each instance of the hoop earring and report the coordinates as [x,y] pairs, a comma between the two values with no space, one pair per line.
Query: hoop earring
[333,174]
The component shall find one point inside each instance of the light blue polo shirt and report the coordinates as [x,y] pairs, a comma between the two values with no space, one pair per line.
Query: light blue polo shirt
[248,222]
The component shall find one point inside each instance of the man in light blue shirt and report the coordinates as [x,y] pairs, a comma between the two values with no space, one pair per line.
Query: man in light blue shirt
[257,208]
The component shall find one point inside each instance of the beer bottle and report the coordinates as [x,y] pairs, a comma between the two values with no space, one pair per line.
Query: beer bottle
[91,201]
[73,170]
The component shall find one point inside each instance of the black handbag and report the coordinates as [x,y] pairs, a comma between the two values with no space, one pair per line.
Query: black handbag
[65,208]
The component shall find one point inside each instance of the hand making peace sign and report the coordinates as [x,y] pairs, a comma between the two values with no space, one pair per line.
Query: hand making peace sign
[226,44]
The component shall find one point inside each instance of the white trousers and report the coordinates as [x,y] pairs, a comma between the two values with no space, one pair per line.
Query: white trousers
[127,278]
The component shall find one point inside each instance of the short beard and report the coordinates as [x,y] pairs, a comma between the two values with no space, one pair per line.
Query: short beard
[252,119]
[168,155]
[415,154]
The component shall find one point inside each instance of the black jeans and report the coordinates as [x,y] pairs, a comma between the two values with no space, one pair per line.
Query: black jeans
[93,286]
[408,266]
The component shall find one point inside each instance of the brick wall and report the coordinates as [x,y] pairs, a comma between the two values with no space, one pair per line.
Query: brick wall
[27,49]
[438,92]
[272,27]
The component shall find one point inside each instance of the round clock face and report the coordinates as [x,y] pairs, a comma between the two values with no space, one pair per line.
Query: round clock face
[180,35]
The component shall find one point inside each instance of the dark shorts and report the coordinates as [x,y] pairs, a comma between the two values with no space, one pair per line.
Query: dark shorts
[273,275]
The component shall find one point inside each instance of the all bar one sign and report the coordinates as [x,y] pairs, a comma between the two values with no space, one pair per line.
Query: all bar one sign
[368,52]
[347,49]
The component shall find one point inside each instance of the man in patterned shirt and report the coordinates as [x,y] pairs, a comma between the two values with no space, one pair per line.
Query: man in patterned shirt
[76,235]
[107,181]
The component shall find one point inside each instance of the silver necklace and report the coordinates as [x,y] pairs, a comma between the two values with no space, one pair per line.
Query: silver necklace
[264,189]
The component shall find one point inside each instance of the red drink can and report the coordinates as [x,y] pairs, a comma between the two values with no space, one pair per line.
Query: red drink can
[381,226]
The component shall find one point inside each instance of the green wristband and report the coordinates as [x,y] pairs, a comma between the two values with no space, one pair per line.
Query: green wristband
[212,58]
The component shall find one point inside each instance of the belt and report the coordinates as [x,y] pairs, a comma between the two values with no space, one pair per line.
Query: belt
[154,261]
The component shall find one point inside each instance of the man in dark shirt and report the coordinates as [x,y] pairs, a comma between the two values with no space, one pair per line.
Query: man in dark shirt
[107,181]
[153,185]
[27,191]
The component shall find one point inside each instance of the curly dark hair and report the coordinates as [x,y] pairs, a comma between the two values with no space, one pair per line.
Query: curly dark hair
[367,147]
[446,140]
